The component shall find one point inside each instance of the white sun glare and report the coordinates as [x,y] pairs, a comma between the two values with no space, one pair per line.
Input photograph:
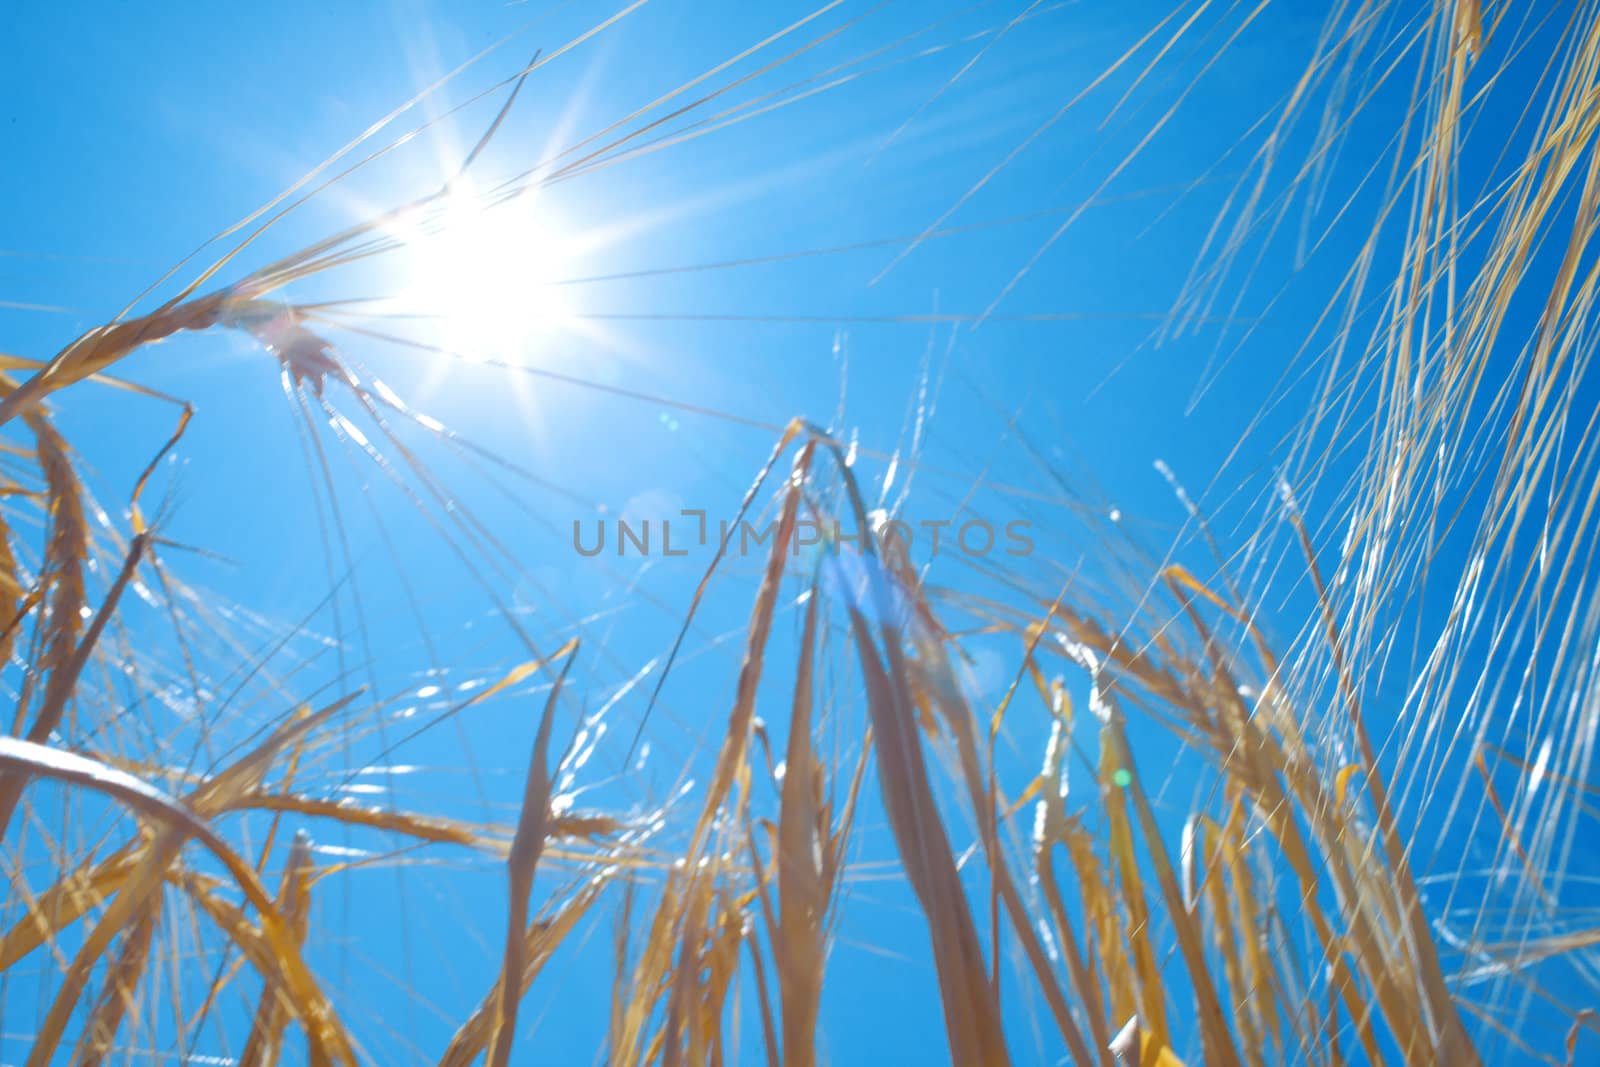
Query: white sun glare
[488,274]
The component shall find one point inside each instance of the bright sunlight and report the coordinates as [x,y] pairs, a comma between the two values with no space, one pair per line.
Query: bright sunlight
[488,273]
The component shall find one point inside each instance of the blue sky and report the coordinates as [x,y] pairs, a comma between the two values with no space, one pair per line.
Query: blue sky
[135,133]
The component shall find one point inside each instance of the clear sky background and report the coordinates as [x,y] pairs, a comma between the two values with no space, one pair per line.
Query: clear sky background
[1037,370]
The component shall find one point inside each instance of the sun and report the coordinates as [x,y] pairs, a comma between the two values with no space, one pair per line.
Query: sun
[489,274]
